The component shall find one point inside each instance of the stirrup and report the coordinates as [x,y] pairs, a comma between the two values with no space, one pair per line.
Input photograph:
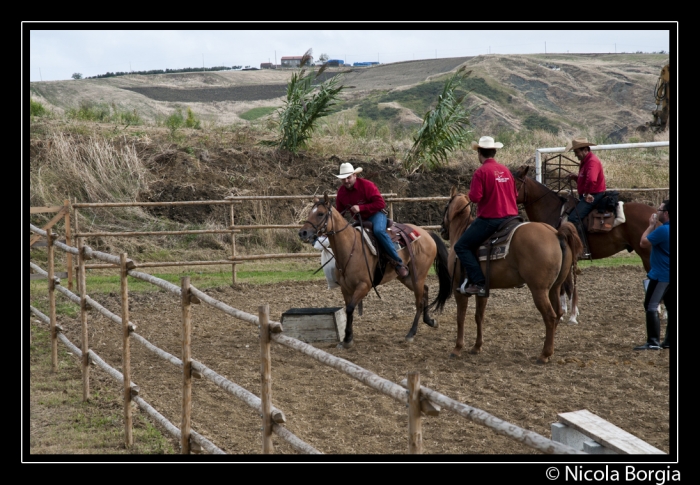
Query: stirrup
[463,286]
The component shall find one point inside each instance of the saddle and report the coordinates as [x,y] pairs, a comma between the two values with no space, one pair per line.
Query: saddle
[401,236]
[608,213]
[603,216]
[497,245]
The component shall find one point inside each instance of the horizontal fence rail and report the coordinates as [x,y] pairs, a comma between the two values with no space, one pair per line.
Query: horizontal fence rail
[270,332]
[232,229]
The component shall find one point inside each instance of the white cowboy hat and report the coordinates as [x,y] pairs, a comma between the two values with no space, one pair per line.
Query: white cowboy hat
[346,170]
[486,142]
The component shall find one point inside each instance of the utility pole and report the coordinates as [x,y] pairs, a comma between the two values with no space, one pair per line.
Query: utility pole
[545,47]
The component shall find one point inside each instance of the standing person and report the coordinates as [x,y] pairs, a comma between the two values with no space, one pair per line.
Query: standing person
[360,196]
[493,191]
[660,288]
[590,185]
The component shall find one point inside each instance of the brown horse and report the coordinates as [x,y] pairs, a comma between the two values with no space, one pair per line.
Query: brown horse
[356,264]
[539,256]
[542,204]
[545,205]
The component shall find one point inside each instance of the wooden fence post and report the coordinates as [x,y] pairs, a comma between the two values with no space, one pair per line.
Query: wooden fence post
[185,425]
[50,238]
[415,435]
[126,355]
[391,211]
[233,244]
[69,256]
[265,372]
[83,319]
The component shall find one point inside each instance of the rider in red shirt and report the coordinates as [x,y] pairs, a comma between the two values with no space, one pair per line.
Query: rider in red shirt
[360,196]
[493,190]
[590,184]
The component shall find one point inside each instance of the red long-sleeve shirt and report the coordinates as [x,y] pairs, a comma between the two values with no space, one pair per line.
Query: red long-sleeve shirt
[590,178]
[493,191]
[364,194]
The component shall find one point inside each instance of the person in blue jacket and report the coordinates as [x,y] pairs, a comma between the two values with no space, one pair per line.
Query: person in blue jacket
[660,287]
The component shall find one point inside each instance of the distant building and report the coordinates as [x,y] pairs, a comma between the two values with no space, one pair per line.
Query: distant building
[293,61]
[267,65]
[335,62]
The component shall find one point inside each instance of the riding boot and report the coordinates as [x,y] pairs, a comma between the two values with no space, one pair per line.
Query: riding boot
[584,239]
[653,331]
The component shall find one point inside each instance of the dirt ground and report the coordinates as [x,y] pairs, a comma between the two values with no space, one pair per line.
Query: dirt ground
[593,367]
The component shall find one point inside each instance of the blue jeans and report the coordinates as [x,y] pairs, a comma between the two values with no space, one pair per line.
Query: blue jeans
[378,221]
[468,244]
[584,208]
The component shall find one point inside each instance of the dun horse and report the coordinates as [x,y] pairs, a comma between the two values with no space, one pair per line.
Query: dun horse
[539,256]
[542,204]
[356,264]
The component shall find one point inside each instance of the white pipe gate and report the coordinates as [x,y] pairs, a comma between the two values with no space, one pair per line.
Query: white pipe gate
[619,146]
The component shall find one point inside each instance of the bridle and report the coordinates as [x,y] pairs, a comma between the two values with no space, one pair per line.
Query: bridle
[322,228]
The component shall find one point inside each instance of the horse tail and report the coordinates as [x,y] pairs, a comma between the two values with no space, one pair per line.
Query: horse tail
[443,274]
[568,235]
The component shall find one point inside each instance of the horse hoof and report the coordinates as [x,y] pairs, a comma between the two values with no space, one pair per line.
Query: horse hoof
[345,345]
[573,322]
[542,360]
[409,340]
[431,323]
[474,351]
[453,355]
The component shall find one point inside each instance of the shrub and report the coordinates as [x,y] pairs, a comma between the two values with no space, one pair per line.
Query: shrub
[36,108]
[192,121]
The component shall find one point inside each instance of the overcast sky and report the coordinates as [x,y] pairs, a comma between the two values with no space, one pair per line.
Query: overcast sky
[55,53]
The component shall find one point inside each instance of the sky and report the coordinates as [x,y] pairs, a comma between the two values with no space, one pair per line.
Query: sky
[55,51]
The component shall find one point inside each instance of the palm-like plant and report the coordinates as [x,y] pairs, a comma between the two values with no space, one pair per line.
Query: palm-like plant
[445,128]
[306,103]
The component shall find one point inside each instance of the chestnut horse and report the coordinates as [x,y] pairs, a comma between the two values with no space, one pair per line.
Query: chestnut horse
[356,264]
[539,256]
[542,204]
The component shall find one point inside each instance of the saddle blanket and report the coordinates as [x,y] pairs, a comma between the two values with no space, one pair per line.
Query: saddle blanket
[393,234]
[500,250]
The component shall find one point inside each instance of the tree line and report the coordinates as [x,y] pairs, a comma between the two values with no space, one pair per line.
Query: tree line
[77,75]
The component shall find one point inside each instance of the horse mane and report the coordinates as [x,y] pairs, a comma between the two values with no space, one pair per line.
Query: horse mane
[462,222]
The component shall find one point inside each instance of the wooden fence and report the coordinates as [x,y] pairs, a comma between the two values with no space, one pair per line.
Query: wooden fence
[233,228]
[419,399]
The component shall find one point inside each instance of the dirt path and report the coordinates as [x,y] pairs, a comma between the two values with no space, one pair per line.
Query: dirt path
[593,367]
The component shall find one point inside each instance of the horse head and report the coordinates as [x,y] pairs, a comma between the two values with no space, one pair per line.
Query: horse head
[520,175]
[457,209]
[317,220]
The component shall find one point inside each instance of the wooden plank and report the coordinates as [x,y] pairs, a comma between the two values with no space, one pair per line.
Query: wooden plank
[606,433]
[63,210]
[39,210]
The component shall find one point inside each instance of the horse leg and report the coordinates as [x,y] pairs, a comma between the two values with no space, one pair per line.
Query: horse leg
[549,315]
[569,288]
[421,305]
[426,311]
[351,301]
[479,318]
[462,303]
